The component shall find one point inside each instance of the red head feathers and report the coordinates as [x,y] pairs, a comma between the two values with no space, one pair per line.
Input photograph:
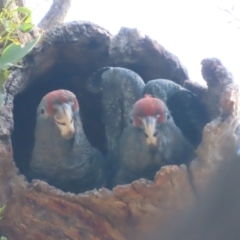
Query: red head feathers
[59,97]
[148,106]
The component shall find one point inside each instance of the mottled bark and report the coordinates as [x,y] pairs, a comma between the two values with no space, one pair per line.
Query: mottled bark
[56,14]
[65,58]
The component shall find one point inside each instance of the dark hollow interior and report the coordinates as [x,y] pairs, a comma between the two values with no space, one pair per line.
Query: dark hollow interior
[70,75]
[68,66]
[60,76]
[26,102]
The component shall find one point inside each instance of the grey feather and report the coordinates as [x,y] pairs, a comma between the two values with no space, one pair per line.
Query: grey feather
[187,110]
[71,165]
[138,160]
[120,89]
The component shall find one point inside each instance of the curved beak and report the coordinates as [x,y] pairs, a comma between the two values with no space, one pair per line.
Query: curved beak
[65,122]
[149,126]
[69,134]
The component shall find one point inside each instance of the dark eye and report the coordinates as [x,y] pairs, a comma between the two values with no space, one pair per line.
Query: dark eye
[155,134]
[145,135]
[42,111]
[63,124]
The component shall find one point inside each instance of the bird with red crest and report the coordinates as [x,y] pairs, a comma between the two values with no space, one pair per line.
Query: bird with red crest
[187,110]
[150,141]
[142,136]
[62,155]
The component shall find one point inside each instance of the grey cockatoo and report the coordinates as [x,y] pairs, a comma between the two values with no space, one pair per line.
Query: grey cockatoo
[150,141]
[186,108]
[62,155]
[142,136]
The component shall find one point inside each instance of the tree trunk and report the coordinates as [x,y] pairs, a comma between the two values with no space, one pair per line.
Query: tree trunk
[66,57]
[56,14]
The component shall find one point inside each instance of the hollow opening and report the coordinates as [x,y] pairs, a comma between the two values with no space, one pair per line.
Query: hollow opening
[65,61]
[71,77]
[26,102]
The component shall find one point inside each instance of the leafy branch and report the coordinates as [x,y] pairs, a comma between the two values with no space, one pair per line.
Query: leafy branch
[13,21]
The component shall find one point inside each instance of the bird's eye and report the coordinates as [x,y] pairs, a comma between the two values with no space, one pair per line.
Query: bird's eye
[155,134]
[63,124]
[145,135]
[42,111]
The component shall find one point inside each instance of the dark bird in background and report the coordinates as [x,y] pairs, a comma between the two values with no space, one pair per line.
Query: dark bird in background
[141,133]
[186,108]
[62,155]
[120,89]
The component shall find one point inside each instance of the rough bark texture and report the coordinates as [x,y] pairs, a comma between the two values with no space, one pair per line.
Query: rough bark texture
[130,48]
[56,14]
[66,57]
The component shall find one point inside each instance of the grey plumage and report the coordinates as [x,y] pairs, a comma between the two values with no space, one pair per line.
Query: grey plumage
[140,160]
[162,88]
[69,163]
[188,112]
[135,151]
[120,89]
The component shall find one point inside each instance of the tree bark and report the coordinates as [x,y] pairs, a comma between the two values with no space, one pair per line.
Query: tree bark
[21,3]
[56,14]
[66,57]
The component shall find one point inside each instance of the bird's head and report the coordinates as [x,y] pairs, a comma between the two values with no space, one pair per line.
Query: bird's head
[148,114]
[60,107]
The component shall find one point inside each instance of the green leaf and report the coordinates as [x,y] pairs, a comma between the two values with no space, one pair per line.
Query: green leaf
[28,19]
[4,74]
[25,10]
[7,25]
[27,27]
[3,238]
[1,211]
[14,53]
[15,40]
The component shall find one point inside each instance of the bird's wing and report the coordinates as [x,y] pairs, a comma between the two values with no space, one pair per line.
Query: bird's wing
[186,108]
[120,89]
[189,115]
[161,88]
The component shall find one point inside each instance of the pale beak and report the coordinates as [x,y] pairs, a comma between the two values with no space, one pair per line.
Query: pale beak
[65,123]
[149,127]
[69,134]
